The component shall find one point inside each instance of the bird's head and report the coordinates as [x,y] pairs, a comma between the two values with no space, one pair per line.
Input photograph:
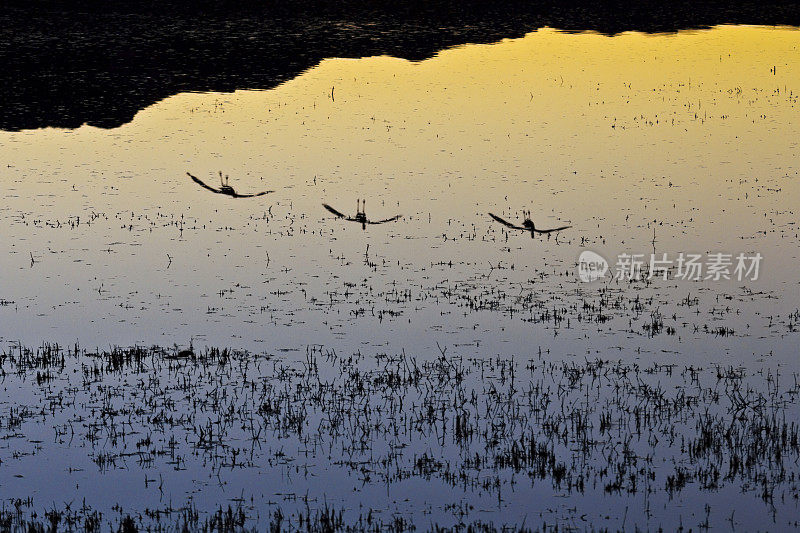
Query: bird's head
[528,223]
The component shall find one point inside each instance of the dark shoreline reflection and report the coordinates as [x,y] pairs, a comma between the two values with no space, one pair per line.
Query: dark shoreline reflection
[91,64]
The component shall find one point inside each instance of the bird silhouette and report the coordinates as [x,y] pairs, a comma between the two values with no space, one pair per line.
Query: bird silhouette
[361,216]
[225,188]
[528,225]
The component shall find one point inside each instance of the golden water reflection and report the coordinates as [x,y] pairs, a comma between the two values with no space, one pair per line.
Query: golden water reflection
[692,135]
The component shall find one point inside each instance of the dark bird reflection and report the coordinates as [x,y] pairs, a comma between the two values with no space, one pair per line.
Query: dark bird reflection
[528,225]
[225,188]
[361,215]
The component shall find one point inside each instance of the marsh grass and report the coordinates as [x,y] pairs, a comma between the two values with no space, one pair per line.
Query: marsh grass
[478,428]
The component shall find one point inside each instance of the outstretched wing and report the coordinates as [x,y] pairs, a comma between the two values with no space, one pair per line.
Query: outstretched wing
[334,211]
[506,223]
[200,183]
[551,230]
[384,220]
[262,193]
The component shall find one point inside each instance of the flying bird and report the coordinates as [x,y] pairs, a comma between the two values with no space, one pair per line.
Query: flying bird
[225,188]
[528,225]
[361,216]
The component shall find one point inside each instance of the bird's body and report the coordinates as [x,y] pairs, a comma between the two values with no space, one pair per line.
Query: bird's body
[225,188]
[361,215]
[528,225]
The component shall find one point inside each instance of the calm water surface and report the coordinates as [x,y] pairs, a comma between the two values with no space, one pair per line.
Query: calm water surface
[666,143]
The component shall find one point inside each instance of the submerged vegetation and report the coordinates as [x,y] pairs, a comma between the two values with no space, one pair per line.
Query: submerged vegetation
[482,431]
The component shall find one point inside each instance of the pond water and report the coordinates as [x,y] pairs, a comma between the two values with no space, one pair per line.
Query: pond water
[669,144]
